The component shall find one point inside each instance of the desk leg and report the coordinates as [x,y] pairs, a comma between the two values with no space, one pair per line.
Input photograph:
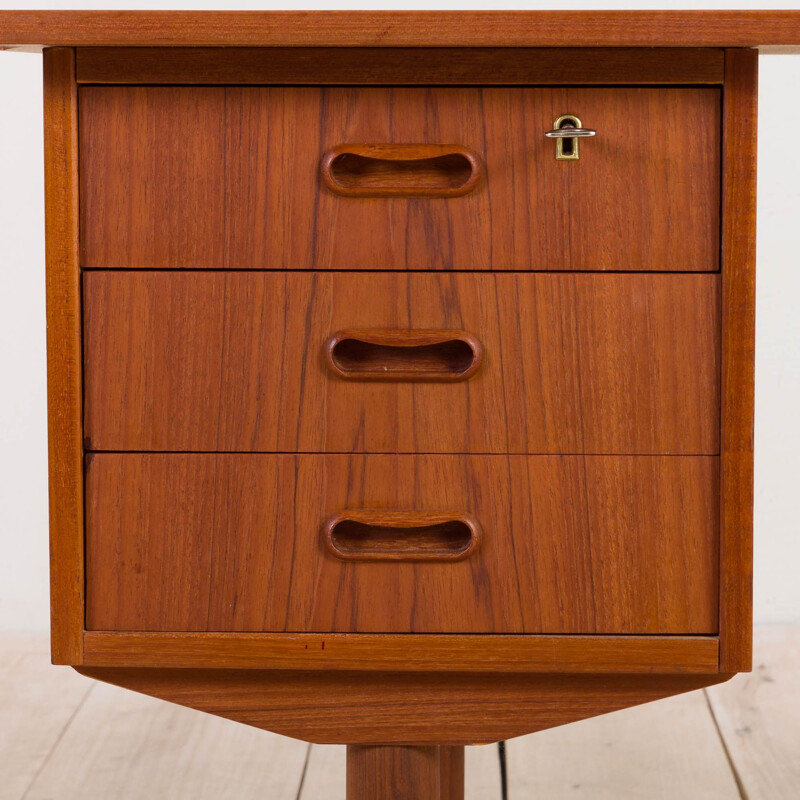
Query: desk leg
[389,772]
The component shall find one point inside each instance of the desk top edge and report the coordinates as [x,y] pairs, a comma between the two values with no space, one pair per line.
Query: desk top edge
[34,30]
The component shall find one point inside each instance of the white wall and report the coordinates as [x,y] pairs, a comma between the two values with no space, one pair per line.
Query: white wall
[23,423]
[777,431]
[23,450]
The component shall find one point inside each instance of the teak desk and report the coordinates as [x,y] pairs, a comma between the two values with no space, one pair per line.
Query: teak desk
[400,365]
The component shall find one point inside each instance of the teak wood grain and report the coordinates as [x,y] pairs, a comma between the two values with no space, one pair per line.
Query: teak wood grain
[720,28]
[405,773]
[738,358]
[245,163]
[64,362]
[407,653]
[399,708]
[235,361]
[404,66]
[194,542]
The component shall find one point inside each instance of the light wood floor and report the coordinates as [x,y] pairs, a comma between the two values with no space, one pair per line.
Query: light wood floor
[64,737]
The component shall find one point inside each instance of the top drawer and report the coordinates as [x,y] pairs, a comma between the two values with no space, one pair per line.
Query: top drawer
[230,177]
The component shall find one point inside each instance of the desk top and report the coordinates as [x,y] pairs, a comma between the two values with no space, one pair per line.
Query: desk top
[771,31]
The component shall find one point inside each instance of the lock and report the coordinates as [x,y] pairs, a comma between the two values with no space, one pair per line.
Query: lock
[567,129]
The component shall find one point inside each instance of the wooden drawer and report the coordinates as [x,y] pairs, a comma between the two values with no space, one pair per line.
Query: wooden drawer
[230,177]
[209,542]
[236,361]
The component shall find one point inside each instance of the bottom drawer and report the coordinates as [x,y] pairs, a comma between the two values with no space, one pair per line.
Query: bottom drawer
[402,543]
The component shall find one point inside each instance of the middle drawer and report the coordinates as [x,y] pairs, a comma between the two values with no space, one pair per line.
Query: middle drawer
[503,363]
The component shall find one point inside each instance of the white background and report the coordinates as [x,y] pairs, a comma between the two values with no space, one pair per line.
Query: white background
[23,446]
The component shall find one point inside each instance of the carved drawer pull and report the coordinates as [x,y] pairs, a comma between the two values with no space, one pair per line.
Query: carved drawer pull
[401,170]
[403,355]
[385,535]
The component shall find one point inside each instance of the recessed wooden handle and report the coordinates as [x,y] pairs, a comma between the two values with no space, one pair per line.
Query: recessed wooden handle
[414,355]
[383,535]
[401,170]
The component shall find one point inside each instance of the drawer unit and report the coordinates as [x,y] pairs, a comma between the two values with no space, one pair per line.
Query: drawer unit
[294,361]
[483,544]
[229,177]
[401,370]
[399,364]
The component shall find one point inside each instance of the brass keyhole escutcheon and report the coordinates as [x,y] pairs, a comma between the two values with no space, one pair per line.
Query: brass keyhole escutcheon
[567,149]
[567,129]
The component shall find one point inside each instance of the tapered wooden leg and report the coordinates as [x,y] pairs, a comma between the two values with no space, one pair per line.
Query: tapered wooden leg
[451,761]
[384,772]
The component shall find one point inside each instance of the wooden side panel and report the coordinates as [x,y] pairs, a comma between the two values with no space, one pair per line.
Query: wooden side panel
[738,358]
[192,542]
[64,414]
[245,163]
[410,708]
[406,653]
[235,362]
[437,66]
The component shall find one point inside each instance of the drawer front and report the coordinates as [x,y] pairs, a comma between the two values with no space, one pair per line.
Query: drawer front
[236,361]
[469,544]
[231,177]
